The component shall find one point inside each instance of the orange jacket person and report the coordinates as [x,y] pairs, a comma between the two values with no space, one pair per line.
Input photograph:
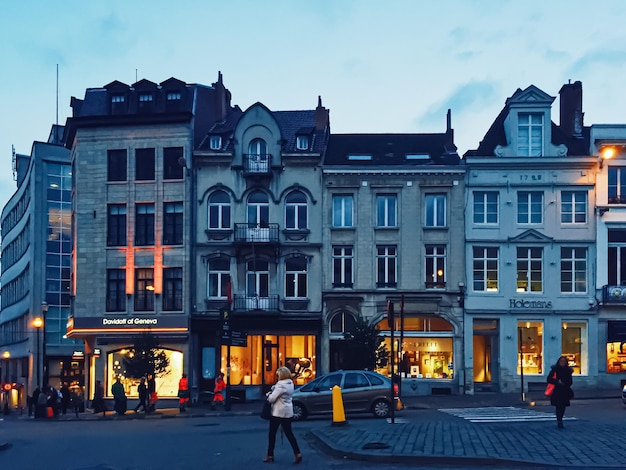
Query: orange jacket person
[183,392]
[218,395]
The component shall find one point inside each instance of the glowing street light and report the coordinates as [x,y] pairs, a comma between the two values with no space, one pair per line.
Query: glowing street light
[38,324]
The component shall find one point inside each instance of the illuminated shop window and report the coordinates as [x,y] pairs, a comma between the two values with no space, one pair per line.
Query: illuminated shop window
[531,347]
[256,363]
[574,345]
[166,384]
[427,351]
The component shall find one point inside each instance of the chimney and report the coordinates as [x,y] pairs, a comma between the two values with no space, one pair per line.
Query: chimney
[321,116]
[571,119]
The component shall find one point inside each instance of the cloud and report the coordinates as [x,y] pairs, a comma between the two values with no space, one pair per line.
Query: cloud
[598,60]
[469,96]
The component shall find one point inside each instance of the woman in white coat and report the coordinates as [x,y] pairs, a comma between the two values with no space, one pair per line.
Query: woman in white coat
[282,413]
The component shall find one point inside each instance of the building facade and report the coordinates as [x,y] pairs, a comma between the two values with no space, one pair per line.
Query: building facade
[531,246]
[258,248]
[132,216]
[36,248]
[392,233]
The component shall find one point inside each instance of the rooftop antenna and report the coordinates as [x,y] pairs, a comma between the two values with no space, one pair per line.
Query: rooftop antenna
[57,120]
[135,75]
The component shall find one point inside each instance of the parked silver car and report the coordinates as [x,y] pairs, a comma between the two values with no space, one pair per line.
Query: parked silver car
[362,392]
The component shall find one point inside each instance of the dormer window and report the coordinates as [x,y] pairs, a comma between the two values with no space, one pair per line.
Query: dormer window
[417,156]
[530,135]
[145,97]
[174,96]
[359,157]
[215,142]
[302,142]
[117,99]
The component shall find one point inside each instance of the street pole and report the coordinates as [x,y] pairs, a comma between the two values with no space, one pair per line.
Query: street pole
[44,358]
[392,327]
[38,362]
[521,364]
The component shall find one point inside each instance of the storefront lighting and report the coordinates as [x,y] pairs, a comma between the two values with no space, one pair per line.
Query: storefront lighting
[527,324]
[564,325]
[6,354]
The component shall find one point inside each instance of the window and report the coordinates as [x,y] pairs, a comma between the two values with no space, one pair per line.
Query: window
[173,223]
[116,165]
[258,279]
[355,380]
[302,142]
[144,289]
[485,207]
[144,165]
[342,322]
[258,210]
[530,135]
[174,96]
[342,266]
[173,163]
[531,347]
[144,224]
[359,157]
[386,266]
[219,210]
[573,207]
[386,210]
[435,266]
[574,346]
[485,269]
[342,211]
[172,289]
[296,277]
[117,99]
[617,257]
[574,270]
[258,158]
[435,210]
[116,225]
[295,211]
[145,97]
[116,290]
[215,142]
[529,269]
[529,207]
[219,278]
[617,185]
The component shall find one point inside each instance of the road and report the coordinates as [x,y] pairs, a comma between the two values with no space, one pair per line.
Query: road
[205,442]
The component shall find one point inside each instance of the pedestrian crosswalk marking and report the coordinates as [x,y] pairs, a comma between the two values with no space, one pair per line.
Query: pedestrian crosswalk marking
[500,414]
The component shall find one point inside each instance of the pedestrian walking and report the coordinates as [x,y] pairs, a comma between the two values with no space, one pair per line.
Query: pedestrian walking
[33,403]
[42,405]
[98,399]
[561,377]
[76,402]
[119,397]
[218,391]
[152,393]
[183,392]
[142,392]
[65,397]
[282,413]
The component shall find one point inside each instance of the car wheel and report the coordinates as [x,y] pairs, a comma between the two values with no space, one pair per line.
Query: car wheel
[299,413]
[381,408]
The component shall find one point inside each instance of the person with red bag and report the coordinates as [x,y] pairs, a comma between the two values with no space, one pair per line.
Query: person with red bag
[561,377]
[218,391]
[183,392]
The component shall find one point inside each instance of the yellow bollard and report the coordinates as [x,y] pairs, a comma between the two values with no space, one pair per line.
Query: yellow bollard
[339,416]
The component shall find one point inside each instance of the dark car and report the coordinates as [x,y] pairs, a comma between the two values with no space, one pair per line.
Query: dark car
[362,391]
[624,394]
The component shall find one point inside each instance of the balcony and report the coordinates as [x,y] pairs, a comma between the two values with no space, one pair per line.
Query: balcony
[251,303]
[256,233]
[614,295]
[257,163]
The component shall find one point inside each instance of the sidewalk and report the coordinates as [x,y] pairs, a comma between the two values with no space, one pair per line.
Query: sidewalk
[422,435]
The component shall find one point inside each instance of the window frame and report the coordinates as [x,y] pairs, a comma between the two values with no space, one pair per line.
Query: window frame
[117,165]
[528,267]
[527,200]
[144,224]
[172,289]
[386,210]
[573,209]
[116,290]
[530,134]
[435,210]
[485,262]
[435,260]
[144,290]
[302,142]
[343,211]
[215,142]
[343,266]
[218,278]
[296,277]
[296,211]
[145,164]
[577,267]
[173,223]
[484,205]
[386,266]
[219,212]
[172,168]
[117,224]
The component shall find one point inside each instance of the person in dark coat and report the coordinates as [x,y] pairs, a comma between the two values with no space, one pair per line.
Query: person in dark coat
[152,395]
[119,396]
[561,376]
[142,391]
[65,397]
[33,403]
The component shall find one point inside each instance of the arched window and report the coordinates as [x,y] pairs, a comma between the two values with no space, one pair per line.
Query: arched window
[219,210]
[258,210]
[258,158]
[296,211]
[342,322]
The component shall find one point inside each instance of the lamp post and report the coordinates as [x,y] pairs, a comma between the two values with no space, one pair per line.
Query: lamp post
[38,323]
[44,358]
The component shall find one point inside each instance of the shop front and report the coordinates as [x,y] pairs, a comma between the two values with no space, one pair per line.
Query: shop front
[110,348]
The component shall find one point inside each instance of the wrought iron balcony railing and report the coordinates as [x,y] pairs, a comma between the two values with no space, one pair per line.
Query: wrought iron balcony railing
[614,294]
[250,303]
[256,233]
[257,163]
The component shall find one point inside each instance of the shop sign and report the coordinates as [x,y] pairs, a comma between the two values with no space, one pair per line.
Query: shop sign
[131,324]
[531,304]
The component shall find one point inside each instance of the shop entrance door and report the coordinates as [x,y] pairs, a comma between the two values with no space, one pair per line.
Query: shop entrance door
[485,352]
[270,358]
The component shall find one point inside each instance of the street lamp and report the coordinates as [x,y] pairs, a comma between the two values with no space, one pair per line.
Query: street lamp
[44,358]
[38,324]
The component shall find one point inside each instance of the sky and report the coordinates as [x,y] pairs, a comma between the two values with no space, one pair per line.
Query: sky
[393,66]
